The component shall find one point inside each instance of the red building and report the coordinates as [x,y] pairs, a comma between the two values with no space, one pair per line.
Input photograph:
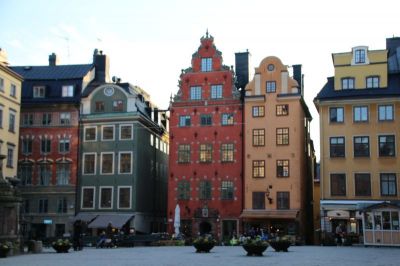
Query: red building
[205,162]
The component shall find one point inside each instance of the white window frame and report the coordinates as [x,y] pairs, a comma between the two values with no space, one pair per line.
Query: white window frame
[379,112]
[361,108]
[102,133]
[84,134]
[112,197]
[101,163]
[196,93]
[130,197]
[94,197]
[39,91]
[355,50]
[119,162]
[120,130]
[83,163]
[67,91]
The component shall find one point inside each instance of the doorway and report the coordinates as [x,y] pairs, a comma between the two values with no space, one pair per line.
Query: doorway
[205,228]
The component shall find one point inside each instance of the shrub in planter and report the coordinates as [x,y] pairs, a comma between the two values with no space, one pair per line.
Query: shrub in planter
[4,249]
[254,247]
[204,243]
[61,245]
[280,244]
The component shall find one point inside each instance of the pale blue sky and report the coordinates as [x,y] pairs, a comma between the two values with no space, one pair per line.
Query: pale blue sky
[150,41]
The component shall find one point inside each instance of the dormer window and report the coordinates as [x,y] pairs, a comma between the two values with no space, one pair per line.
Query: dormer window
[372,82]
[360,55]
[206,64]
[68,91]
[39,91]
[347,83]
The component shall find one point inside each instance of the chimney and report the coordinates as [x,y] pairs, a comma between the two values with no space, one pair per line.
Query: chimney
[298,76]
[3,57]
[242,62]
[102,66]
[53,60]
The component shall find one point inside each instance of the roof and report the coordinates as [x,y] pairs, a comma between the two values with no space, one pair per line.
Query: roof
[329,93]
[52,72]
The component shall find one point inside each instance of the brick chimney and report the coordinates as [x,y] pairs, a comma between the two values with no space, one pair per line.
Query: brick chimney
[102,66]
[53,60]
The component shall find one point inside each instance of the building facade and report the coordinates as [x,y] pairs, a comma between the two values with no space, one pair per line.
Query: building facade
[49,141]
[278,152]
[205,163]
[123,158]
[359,108]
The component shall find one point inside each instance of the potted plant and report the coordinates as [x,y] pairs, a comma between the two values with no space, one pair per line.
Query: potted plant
[280,244]
[254,246]
[4,249]
[61,245]
[204,243]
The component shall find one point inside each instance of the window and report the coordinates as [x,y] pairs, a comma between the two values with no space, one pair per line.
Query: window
[124,197]
[108,132]
[10,157]
[205,190]
[205,153]
[63,145]
[184,153]
[99,107]
[107,163]
[1,84]
[336,115]
[362,184]
[184,121]
[90,133]
[13,90]
[27,119]
[125,162]
[347,83]
[45,146]
[125,132]
[258,200]
[258,168]
[360,113]
[338,185]
[46,119]
[359,56]
[227,190]
[62,205]
[65,118]
[43,205]
[216,91]
[1,116]
[282,136]
[195,93]
[25,173]
[183,190]
[258,137]
[63,173]
[118,106]
[282,200]
[227,119]
[205,120]
[388,185]
[26,146]
[39,92]
[271,86]
[206,64]
[361,146]
[68,91]
[282,109]
[106,197]
[87,198]
[89,163]
[227,152]
[11,121]
[44,174]
[385,112]
[282,168]
[372,82]
[386,145]
[258,111]
[337,147]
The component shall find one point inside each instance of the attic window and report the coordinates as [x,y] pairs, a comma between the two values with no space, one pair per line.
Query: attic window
[360,55]
[68,91]
[39,91]
[206,64]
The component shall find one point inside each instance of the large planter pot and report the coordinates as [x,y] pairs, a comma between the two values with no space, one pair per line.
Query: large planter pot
[4,252]
[203,247]
[280,245]
[61,248]
[254,250]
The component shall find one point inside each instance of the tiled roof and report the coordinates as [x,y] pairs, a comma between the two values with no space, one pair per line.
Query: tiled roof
[52,72]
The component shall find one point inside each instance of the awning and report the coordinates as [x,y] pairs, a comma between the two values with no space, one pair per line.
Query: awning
[116,220]
[86,217]
[271,214]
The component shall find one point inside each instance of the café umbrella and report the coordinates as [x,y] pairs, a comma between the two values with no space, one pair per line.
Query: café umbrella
[177,220]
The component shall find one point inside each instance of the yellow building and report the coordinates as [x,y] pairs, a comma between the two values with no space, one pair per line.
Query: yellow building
[10,101]
[277,153]
[359,108]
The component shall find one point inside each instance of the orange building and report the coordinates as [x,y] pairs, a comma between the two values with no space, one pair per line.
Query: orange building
[278,153]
